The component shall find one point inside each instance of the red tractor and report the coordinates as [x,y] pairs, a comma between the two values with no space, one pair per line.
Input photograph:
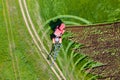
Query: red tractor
[57,40]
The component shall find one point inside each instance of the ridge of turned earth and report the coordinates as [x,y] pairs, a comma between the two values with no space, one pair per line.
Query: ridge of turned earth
[101,43]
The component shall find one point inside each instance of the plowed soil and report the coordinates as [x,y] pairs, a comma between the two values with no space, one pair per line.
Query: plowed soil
[101,43]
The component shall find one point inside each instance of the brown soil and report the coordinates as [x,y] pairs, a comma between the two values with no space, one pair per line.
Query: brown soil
[101,43]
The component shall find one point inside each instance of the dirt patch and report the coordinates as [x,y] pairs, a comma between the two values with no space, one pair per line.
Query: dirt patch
[102,44]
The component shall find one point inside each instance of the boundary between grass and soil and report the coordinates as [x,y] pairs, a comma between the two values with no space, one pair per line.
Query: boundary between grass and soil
[95,25]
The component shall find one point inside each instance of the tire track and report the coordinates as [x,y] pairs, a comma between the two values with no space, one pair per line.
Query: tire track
[38,38]
[16,60]
[34,39]
[11,40]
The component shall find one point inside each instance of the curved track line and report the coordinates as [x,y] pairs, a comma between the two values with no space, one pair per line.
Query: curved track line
[67,16]
[37,36]
[36,43]
[11,54]
[33,27]
[68,22]
[11,42]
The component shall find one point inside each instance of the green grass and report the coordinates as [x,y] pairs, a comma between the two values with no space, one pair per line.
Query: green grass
[94,11]
[5,59]
[31,66]
[28,62]
[91,11]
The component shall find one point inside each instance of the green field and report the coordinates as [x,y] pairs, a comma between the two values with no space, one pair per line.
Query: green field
[20,59]
[94,11]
